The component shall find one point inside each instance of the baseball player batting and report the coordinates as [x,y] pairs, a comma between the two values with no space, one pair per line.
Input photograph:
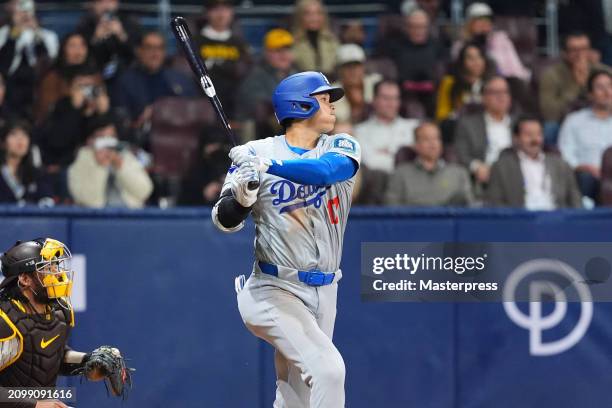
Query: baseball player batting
[300,212]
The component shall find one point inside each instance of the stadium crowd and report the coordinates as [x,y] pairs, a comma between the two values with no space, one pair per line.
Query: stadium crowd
[445,116]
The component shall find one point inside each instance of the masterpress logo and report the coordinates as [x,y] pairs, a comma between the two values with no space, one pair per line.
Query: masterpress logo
[540,290]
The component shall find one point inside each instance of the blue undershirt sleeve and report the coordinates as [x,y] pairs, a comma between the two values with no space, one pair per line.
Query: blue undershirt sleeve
[328,169]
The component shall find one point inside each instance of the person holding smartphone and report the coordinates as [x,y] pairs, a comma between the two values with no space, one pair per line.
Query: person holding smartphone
[25,48]
[111,35]
[105,172]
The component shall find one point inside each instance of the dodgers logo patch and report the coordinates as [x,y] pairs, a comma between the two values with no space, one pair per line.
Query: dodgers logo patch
[287,193]
[344,144]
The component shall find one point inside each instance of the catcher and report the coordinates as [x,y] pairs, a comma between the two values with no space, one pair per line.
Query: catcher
[36,318]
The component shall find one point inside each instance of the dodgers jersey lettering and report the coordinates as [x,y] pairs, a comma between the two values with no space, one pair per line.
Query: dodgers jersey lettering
[301,226]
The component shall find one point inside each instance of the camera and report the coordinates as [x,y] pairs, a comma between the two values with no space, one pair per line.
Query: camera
[109,142]
[90,91]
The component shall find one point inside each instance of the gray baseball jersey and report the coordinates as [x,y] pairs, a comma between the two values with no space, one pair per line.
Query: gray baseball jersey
[301,226]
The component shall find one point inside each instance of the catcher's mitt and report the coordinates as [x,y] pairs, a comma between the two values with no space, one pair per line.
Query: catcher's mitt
[106,362]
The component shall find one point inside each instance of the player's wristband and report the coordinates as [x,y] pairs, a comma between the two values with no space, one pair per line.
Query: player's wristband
[70,368]
[230,213]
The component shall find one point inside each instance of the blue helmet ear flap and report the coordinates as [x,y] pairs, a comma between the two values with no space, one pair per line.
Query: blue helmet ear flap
[294,95]
[307,108]
[296,107]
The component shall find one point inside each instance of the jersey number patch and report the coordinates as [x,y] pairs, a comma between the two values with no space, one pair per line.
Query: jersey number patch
[331,203]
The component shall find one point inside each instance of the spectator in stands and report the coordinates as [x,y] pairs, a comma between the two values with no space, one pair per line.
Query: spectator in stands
[438,26]
[5,12]
[479,30]
[586,134]
[605,35]
[139,86]
[106,173]
[64,130]
[358,86]
[463,86]
[315,45]
[385,131]
[524,8]
[564,83]
[73,55]
[255,92]
[480,137]
[112,36]
[594,18]
[527,177]
[5,111]
[225,52]
[203,183]
[353,32]
[370,187]
[370,184]
[20,181]
[429,180]
[418,58]
[25,49]
[343,127]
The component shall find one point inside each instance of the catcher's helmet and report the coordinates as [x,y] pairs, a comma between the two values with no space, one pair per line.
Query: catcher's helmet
[47,256]
[293,97]
[21,258]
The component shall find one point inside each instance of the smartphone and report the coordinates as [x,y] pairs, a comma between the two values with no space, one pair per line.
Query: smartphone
[108,15]
[25,6]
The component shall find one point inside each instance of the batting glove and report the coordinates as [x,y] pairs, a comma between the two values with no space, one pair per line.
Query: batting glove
[262,164]
[241,154]
[244,154]
[241,178]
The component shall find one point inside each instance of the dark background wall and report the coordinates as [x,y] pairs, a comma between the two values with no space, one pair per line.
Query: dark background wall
[160,287]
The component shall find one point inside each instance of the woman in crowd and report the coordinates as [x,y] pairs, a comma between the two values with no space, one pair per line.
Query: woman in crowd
[74,54]
[26,48]
[315,45]
[20,180]
[357,84]
[463,86]
[480,29]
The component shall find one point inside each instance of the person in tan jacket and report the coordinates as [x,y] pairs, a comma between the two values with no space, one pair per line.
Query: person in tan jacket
[315,45]
[105,173]
[357,84]
[563,85]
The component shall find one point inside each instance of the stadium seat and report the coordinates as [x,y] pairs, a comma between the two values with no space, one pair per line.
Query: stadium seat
[605,192]
[384,66]
[405,154]
[176,127]
[389,25]
[370,186]
[412,107]
[552,150]
[523,32]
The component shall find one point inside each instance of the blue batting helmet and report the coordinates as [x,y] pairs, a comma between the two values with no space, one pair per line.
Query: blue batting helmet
[294,96]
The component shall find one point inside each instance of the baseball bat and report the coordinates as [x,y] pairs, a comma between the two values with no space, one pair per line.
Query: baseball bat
[183,36]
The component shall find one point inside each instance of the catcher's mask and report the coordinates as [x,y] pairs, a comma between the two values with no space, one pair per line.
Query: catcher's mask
[53,269]
[47,259]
